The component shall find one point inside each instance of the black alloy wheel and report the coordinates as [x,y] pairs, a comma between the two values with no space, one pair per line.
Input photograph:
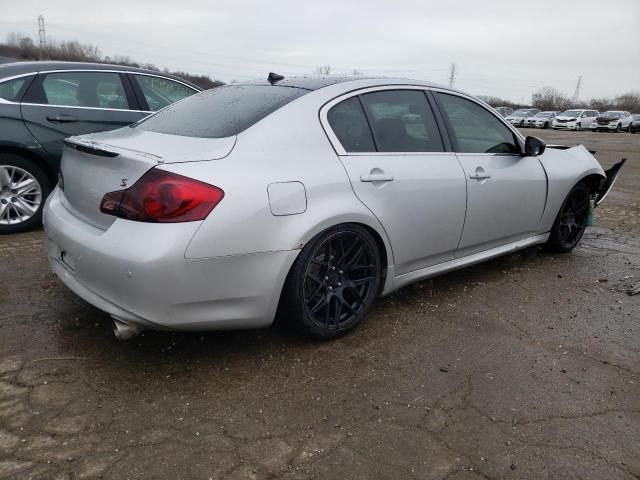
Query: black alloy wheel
[571,221]
[334,282]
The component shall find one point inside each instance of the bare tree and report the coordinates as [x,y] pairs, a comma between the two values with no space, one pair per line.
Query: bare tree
[323,70]
[13,38]
[629,101]
[497,101]
[548,98]
[356,72]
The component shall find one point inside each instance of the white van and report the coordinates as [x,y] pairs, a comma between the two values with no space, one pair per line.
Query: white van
[575,119]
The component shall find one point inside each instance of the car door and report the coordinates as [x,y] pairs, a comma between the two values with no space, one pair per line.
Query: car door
[506,192]
[391,147]
[65,103]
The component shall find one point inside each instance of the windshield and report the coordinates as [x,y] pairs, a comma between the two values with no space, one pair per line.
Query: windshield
[571,113]
[220,112]
[543,114]
[612,114]
[520,113]
[636,116]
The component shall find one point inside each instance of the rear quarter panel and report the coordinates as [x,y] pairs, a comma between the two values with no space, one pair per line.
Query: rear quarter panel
[287,146]
[564,168]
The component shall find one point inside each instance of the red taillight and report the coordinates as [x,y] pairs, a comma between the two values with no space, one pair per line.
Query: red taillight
[163,197]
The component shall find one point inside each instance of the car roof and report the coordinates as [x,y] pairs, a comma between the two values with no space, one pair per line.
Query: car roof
[316,82]
[21,68]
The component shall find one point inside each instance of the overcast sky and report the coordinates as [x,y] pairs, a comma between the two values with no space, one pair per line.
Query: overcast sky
[505,48]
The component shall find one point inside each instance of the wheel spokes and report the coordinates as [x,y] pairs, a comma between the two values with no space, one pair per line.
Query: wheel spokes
[339,280]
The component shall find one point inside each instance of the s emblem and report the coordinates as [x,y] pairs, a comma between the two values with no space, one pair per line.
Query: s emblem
[124,182]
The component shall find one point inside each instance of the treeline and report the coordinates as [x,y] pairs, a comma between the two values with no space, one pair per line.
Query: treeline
[22,47]
[548,98]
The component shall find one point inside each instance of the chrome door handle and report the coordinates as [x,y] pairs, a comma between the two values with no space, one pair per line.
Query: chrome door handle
[479,176]
[376,177]
[63,119]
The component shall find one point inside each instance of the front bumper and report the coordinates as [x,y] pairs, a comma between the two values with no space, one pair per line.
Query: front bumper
[138,273]
[565,126]
[607,127]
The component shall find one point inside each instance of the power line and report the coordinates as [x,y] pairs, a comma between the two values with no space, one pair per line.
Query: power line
[452,75]
[576,94]
[42,35]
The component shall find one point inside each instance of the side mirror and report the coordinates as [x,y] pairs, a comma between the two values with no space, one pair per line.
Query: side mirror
[533,147]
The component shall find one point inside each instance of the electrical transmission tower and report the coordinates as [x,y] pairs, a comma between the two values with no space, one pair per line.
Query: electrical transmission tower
[42,35]
[452,75]
[576,94]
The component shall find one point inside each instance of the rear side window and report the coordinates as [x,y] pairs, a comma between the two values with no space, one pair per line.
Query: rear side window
[11,90]
[84,89]
[220,112]
[160,92]
[402,121]
[348,122]
[475,129]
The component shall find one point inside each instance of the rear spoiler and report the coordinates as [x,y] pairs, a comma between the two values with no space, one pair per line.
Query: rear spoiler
[89,148]
[607,183]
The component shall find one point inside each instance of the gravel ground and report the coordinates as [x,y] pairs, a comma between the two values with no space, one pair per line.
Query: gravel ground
[525,367]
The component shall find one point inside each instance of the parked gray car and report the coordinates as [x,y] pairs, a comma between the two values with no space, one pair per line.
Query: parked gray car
[41,103]
[304,197]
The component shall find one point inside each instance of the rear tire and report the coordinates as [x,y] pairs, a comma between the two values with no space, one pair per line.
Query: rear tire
[571,221]
[24,187]
[333,283]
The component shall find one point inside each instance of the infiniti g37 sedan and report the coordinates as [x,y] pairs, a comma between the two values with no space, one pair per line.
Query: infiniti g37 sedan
[41,103]
[303,198]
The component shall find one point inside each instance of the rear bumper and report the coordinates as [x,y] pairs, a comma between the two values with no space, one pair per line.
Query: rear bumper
[138,273]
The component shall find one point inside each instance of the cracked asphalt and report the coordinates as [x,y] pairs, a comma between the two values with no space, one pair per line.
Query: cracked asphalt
[525,367]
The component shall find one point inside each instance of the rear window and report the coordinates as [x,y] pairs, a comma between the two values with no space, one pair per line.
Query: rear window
[11,89]
[220,112]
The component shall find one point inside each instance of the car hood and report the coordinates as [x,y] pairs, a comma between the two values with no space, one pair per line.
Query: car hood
[562,117]
[158,147]
[606,119]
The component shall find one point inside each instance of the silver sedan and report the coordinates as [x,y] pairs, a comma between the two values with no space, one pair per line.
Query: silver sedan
[305,199]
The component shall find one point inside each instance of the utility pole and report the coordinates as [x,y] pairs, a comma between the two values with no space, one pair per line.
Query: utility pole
[42,35]
[576,94]
[452,75]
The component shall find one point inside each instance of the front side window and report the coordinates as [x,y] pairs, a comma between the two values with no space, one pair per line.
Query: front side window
[348,122]
[475,129]
[11,89]
[84,89]
[402,121]
[220,112]
[160,92]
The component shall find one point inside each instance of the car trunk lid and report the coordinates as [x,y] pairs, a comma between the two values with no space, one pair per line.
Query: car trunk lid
[93,165]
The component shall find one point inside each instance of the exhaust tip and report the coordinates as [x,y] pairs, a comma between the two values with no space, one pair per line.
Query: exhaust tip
[124,331]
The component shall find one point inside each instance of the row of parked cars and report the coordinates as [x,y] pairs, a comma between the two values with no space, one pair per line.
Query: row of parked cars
[575,119]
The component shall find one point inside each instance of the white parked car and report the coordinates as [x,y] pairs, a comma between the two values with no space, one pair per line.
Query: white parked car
[519,117]
[574,119]
[612,121]
[541,120]
[309,197]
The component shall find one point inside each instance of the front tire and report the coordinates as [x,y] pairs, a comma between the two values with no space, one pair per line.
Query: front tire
[571,221]
[546,125]
[618,128]
[24,187]
[578,127]
[333,282]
